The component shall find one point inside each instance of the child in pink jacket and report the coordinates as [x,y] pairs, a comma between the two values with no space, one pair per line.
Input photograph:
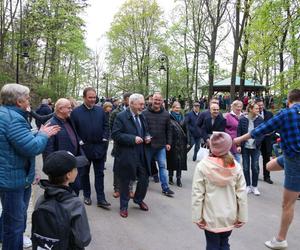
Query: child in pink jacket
[219,198]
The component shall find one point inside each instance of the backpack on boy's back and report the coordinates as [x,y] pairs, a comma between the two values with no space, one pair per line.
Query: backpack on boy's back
[51,223]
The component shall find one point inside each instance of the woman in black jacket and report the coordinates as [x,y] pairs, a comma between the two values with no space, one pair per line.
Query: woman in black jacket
[177,156]
[251,148]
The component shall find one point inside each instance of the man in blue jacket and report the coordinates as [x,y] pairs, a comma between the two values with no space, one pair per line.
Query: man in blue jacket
[18,148]
[92,127]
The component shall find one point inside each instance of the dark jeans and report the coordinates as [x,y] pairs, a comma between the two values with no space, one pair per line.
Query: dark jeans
[76,185]
[217,241]
[13,218]
[195,141]
[266,154]
[252,154]
[141,188]
[99,179]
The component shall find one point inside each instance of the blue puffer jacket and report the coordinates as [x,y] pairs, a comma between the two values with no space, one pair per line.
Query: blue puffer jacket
[18,148]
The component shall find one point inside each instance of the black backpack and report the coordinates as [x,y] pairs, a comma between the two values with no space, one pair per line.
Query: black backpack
[51,225]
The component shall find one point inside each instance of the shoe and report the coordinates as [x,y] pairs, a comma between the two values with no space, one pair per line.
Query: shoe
[178,182]
[124,213]
[255,191]
[103,204]
[131,195]
[168,192]
[155,178]
[249,189]
[171,182]
[116,194]
[26,242]
[194,158]
[268,180]
[143,206]
[87,201]
[275,244]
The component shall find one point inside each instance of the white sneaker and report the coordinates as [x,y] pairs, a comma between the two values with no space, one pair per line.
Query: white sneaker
[275,244]
[26,242]
[249,189]
[255,191]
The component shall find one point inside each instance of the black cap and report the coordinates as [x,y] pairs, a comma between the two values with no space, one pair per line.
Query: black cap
[61,162]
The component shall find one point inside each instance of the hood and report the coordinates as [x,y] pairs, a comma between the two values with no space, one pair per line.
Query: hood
[218,174]
[152,111]
[59,191]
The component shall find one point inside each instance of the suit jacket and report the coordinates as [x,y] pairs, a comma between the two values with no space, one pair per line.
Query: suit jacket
[129,155]
[207,127]
[62,140]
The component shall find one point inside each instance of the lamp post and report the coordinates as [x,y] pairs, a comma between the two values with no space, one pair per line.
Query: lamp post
[164,60]
[23,48]
[23,45]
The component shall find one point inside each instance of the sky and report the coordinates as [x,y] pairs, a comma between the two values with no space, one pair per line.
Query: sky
[99,16]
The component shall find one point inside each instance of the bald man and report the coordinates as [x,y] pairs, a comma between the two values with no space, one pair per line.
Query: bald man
[66,138]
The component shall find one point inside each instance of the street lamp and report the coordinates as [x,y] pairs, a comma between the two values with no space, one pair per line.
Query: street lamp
[23,49]
[164,61]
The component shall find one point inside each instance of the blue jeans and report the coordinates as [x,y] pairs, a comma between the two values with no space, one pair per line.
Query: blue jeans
[217,241]
[195,141]
[99,180]
[237,157]
[159,155]
[252,154]
[13,218]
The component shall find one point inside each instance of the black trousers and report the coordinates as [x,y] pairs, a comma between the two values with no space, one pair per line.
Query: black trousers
[141,187]
[266,154]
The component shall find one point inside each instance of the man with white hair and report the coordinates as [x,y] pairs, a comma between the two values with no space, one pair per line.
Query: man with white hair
[132,152]
[67,138]
[18,148]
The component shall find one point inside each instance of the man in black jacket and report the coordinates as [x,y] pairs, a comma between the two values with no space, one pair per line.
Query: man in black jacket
[266,146]
[159,123]
[91,125]
[132,158]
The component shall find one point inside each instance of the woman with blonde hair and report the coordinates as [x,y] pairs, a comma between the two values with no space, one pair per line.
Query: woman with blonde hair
[250,149]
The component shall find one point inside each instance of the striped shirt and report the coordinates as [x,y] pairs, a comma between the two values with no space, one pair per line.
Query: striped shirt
[287,123]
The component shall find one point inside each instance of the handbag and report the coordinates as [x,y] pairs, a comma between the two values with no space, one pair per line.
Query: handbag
[202,153]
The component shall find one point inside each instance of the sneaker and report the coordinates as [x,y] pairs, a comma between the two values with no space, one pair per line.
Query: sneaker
[168,192]
[249,189]
[87,201]
[255,191]
[275,244]
[26,242]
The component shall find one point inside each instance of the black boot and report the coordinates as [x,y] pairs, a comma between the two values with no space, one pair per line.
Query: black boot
[171,180]
[179,184]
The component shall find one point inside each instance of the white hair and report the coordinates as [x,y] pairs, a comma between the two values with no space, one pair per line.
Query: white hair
[135,97]
[61,103]
[13,92]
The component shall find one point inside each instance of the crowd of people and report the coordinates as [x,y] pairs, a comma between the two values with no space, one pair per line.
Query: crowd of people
[148,140]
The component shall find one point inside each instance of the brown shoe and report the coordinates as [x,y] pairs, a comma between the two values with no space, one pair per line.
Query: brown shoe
[131,195]
[116,194]
[143,206]
[124,213]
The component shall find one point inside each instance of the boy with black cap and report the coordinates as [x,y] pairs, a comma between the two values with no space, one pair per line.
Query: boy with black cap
[59,220]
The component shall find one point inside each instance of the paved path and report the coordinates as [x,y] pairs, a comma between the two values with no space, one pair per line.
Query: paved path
[167,225]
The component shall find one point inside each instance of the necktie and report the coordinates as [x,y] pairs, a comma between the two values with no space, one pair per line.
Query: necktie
[138,125]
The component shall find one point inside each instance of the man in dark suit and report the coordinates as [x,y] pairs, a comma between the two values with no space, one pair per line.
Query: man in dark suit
[266,146]
[214,122]
[66,138]
[132,152]
[91,124]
